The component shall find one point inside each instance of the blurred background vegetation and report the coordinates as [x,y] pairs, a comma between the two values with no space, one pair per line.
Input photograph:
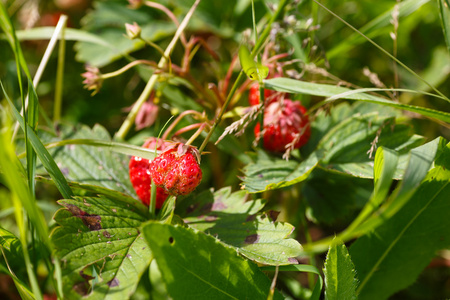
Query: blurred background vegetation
[328,52]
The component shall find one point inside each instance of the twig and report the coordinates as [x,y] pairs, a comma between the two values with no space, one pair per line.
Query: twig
[154,78]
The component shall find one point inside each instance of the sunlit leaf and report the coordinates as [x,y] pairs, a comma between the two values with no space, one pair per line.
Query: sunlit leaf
[268,173]
[340,275]
[194,265]
[42,153]
[239,223]
[102,252]
[296,86]
[70,34]
[391,258]
[93,165]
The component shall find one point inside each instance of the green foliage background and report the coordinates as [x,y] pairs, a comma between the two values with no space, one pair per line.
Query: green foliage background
[255,215]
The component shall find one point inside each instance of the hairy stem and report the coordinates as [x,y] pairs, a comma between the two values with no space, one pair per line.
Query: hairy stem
[126,126]
[255,50]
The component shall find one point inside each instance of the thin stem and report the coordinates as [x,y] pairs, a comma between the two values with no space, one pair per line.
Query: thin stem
[255,32]
[60,75]
[188,128]
[241,75]
[169,14]
[262,100]
[151,44]
[126,126]
[395,16]
[152,206]
[384,51]
[196,134]
[178,119]
[37,77]
[127,67]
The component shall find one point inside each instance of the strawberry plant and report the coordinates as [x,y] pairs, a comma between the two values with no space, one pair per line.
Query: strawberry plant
[225,149]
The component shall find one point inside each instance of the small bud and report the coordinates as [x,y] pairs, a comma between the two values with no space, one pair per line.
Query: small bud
[133,30]
[92,79]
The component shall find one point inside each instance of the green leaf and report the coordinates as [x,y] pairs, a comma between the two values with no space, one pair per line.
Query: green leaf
[110,146]
[195,265]
[102,21]
[331,205]
[419,162]
[94,165]
[296,86]
[44,156]
[268,173]
[348,145]
[7,27]
[16,182]
[11,247]
[340,275]
[444,14]
[236,222]
[391,258]
[301,268]
[384,171]
[70,34]
[102,251]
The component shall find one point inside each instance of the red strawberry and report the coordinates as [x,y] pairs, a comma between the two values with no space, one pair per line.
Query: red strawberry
[177,169]
[284,122]
[140,174]
[253,95]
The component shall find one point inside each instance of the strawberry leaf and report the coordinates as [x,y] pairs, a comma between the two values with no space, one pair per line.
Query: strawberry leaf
[268,173]
[239,223]
[93,165]
[340,275]
[102,252]
[391,257]
[330,205]
[196,266]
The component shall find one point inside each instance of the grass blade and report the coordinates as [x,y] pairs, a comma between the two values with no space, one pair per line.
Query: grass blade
[42,153]
[372,29]
[334,92]
[384,51]
[444,13]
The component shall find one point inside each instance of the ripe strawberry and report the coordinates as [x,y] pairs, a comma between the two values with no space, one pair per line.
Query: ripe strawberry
[140,174]
[253,95]
[283,122]
[177,169]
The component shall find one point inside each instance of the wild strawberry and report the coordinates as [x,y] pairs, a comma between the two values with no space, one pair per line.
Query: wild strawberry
[140,174]
[177,169]
[284,122]
[253,95]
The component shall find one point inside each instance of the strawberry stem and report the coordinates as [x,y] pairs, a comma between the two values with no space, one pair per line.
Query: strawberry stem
[152,206]
[196,134]
[126,126]
[262,100]
[255,50]
[178,119]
